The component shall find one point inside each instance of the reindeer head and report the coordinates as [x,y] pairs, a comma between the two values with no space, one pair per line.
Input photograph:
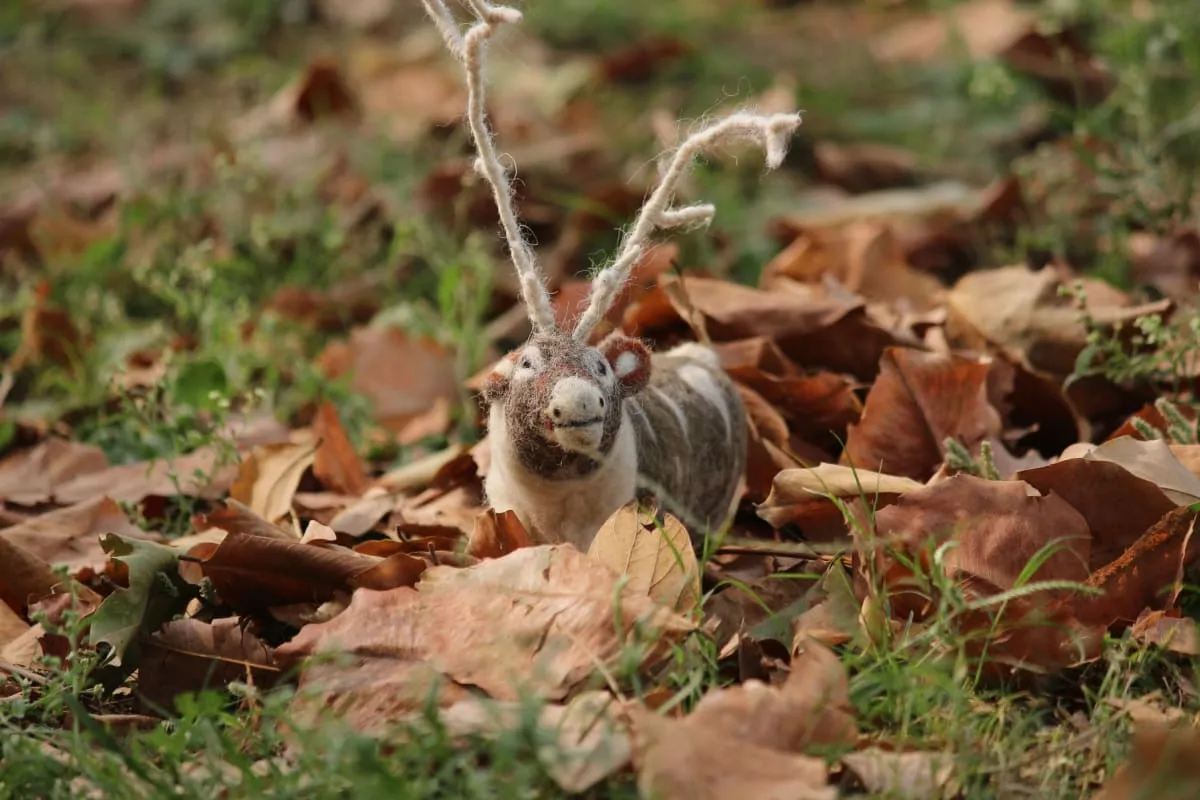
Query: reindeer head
[562,399]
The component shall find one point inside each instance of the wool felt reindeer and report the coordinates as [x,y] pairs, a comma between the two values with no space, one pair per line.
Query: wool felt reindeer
[578,431]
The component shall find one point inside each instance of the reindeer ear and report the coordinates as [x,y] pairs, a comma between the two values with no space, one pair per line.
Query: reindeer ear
[496,384]
[630,361]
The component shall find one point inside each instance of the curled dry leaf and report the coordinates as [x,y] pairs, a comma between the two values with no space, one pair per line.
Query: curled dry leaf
[1119,507]
[335,463]
[1143,576]
[12,625]
[401,375]
[253,572]
[1021,313]
[316,532]
[654,552]
[1151,460]
[584,740]
[999,527]
[866,257]
[29,477]
[26,578]
[190,655]
[746,741]
[918,401]
[497,535]
[269,476]
[809,324]
[903,776]
[1177,634]
[235,517]
[542,619]
[1163,763]
[69,537]
[799,496]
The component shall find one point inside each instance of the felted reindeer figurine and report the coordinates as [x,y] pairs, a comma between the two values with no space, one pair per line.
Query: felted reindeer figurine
[578,431]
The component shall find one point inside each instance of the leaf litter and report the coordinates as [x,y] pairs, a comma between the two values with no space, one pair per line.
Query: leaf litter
[922,475]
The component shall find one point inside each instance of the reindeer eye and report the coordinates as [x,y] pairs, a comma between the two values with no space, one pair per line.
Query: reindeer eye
[526,363]
[602,367]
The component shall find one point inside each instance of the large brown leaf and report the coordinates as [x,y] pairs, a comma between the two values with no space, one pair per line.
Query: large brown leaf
[540,618]
[918,401]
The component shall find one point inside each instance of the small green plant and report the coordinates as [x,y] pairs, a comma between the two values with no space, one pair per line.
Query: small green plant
[1150,351]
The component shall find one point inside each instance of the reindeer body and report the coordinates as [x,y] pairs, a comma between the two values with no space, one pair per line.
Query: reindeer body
[577,432]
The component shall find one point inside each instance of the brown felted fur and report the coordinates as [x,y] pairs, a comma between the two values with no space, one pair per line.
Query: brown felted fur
[673,428]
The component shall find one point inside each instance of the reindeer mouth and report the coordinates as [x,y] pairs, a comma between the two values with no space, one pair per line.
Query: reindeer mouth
[579,423]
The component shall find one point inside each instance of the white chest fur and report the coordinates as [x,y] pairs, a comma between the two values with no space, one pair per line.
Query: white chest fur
[560,510]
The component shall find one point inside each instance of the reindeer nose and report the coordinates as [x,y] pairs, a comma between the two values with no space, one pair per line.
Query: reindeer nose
[575,402]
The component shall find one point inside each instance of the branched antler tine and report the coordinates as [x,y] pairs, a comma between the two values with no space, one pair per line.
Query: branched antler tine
[469,49]
[772,132]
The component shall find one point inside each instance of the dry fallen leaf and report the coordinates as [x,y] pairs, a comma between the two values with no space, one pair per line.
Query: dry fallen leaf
[12,625]
[335,463]
[810,325]
[1153,461]
[402,376]
[745,741]
[268,478]
[1176,634]
[986,27]
[25,578]
[903,776]
[29,477]
[497,535]
[207,473]
[254,572]
[1164,763]
[919,401]
[585,741]
[795,492]
[190,655]
[1144,575]
[1118,506]
[70,537]
[654,553]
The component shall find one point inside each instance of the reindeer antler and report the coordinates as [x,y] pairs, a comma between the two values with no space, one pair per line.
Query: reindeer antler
[772,131]
[469,48]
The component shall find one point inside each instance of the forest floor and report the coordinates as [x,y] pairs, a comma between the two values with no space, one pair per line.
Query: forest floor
[249,287]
